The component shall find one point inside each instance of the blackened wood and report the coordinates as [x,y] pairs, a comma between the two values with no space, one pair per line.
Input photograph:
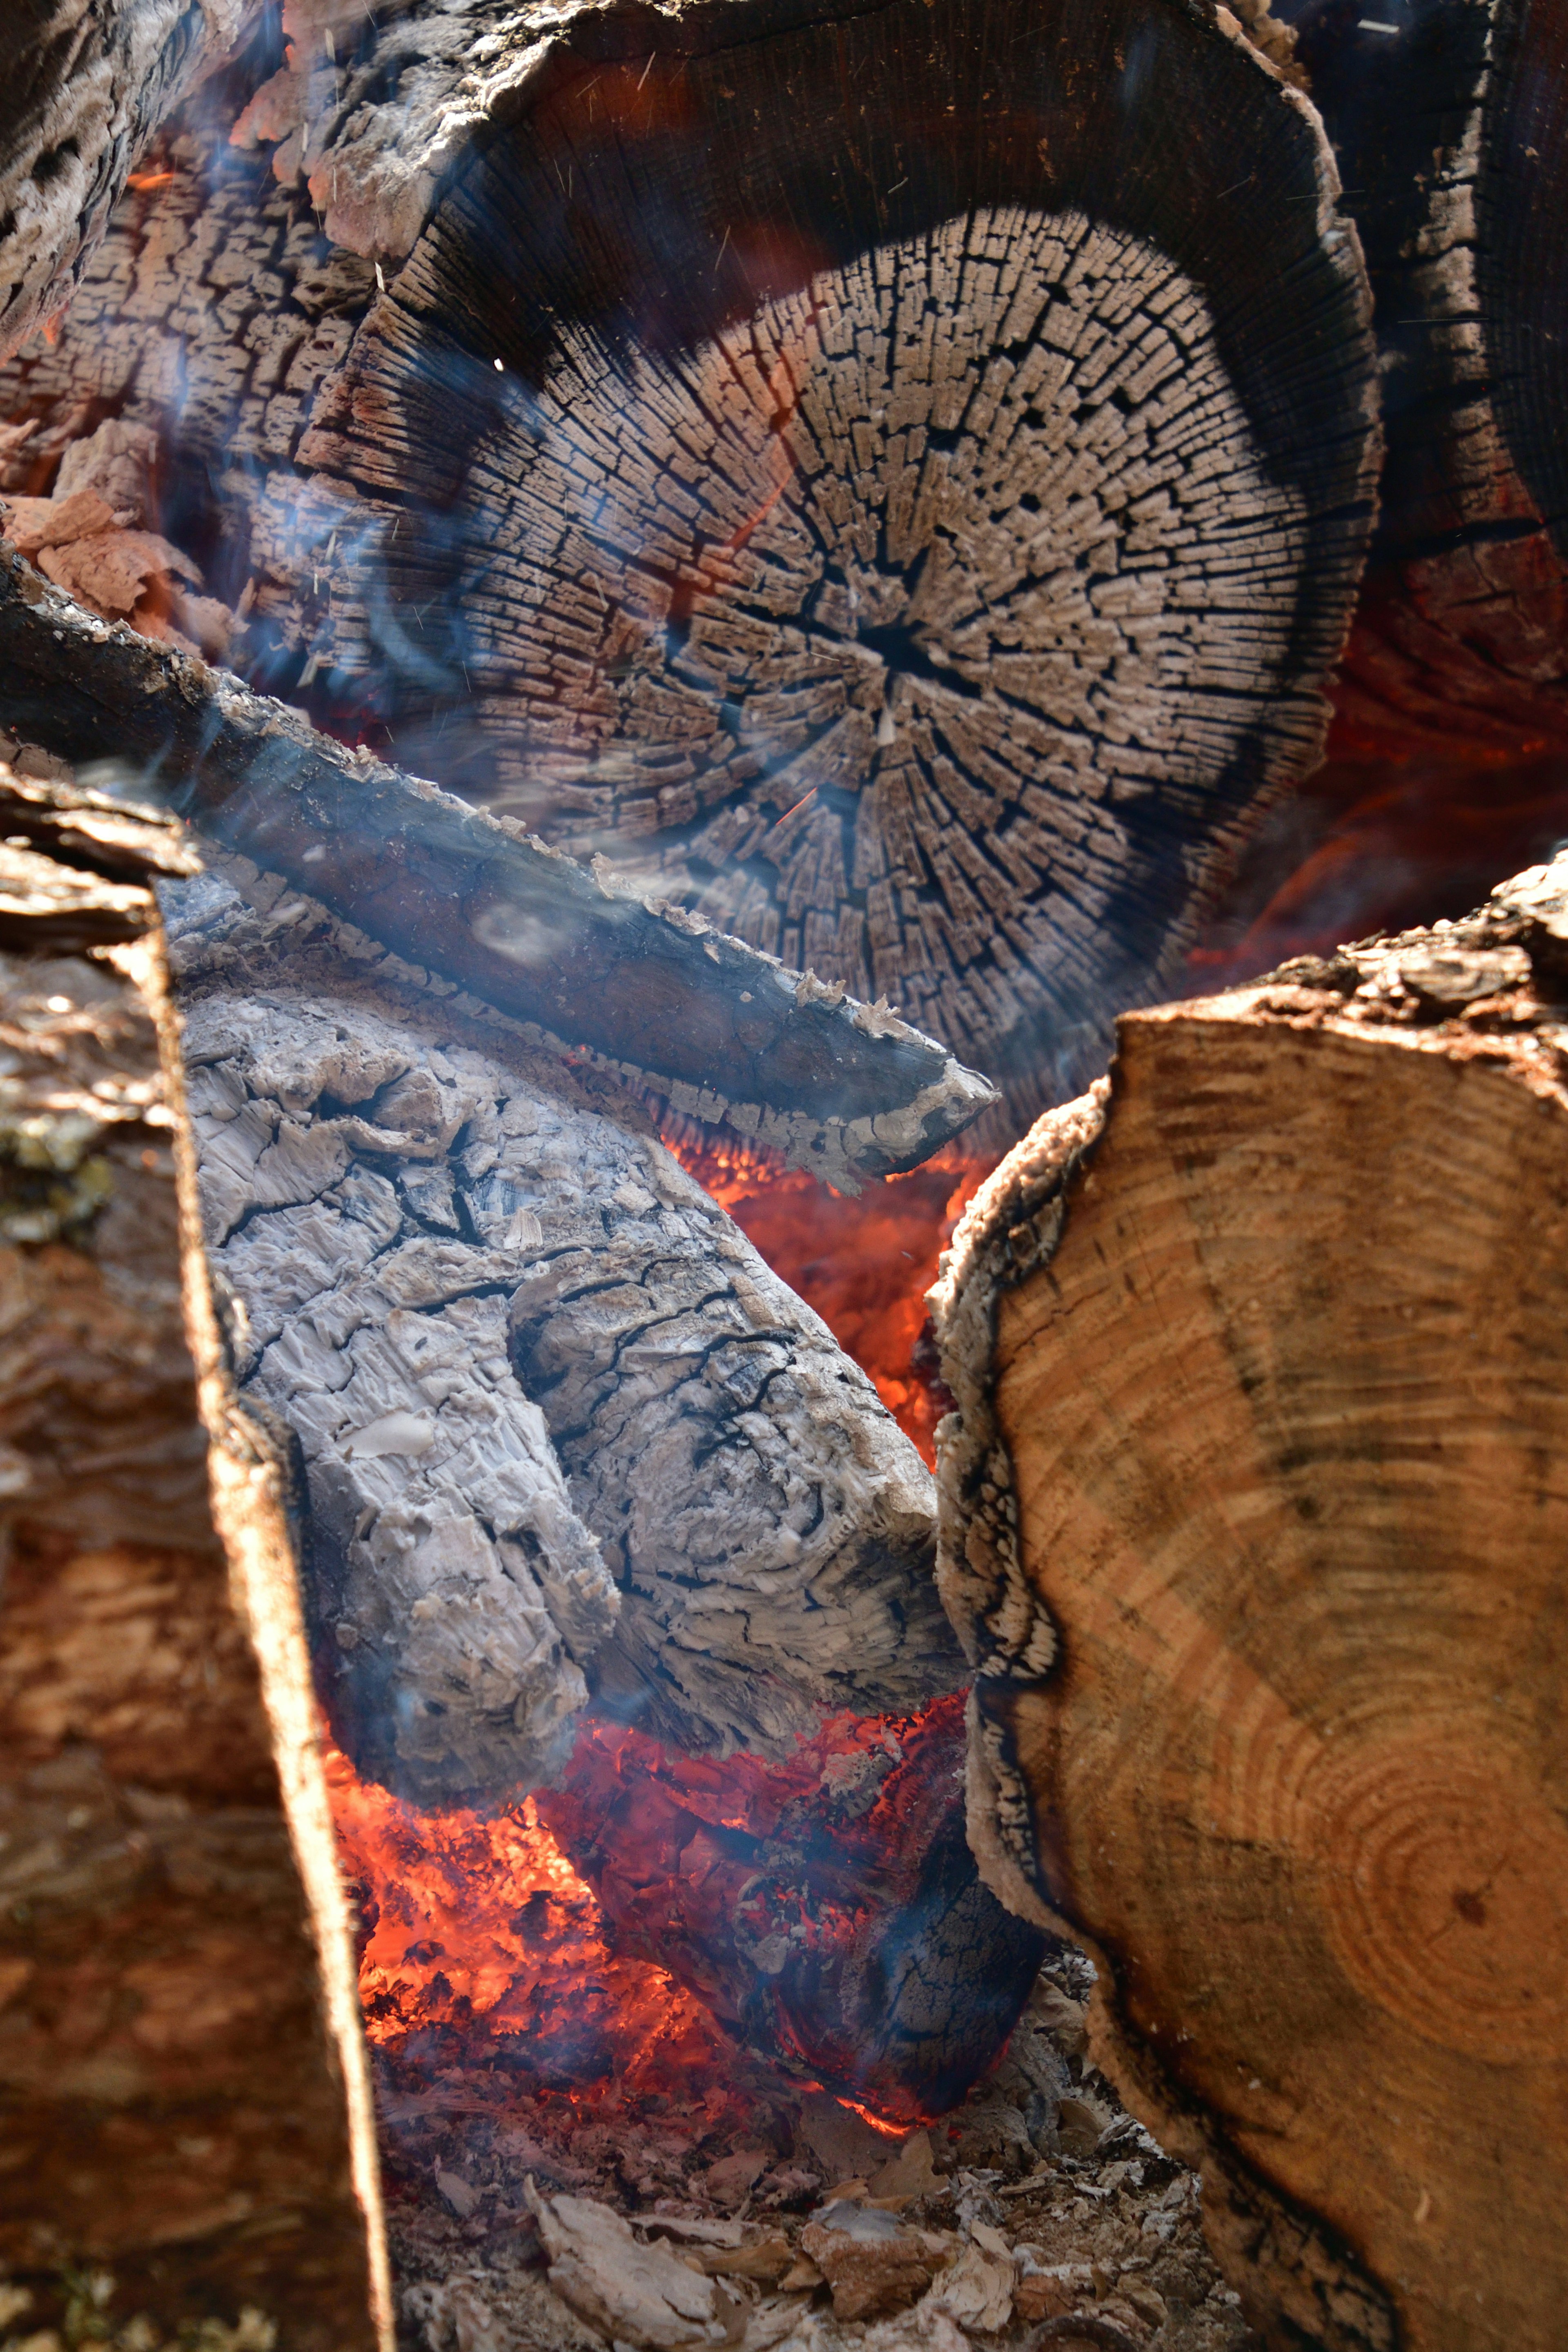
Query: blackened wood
[83,87]
[1450,126]
[725,1031]
[889,487]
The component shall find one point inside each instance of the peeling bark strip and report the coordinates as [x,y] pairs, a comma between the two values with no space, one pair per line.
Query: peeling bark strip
[901,493]
[460,1268]
[86,83]
[1249,1521]
[1450,128]
[845,1090]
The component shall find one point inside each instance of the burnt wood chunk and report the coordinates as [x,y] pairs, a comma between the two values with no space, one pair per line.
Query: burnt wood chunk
[462,1272]
[1451,130]
[1252,1526]
[902,484]
[83,87]
[843,1089]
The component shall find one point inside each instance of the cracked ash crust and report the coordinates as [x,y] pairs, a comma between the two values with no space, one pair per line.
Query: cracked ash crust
[561,1423]
[1010,1230]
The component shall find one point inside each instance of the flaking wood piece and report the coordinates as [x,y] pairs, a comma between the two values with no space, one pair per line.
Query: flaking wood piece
[722,1032]
[460,1269]
[1251,1527]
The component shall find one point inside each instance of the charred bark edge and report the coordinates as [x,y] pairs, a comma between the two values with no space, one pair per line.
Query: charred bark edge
[252,1483]
[723,1031]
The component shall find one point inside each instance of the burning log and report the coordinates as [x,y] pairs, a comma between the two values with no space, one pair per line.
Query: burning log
[826,1909]
[459,1269]
[1450,128]
[86,87]
[845,1088]
[1250,1519]
[968,711]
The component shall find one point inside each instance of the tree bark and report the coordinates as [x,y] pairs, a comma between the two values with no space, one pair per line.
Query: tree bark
[1451,134]
[174,2107]
[1251,1526]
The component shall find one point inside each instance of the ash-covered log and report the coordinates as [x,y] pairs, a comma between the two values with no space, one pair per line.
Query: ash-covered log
[1252,1523]
[460,1269]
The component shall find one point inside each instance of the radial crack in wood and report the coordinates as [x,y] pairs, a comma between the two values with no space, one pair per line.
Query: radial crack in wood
[1251,1525]
[460,1268]
[917,544]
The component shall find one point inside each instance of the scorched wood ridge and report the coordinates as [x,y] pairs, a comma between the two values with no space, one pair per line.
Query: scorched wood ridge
[899,488]
[1251,1519]
[1449,124]
[844,1087]
[458,1266]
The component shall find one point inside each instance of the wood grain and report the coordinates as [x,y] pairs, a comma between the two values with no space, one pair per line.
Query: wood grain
[1253,1518]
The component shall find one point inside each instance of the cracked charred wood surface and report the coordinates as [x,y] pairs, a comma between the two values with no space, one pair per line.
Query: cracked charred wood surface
[1250,1518]
[461,1269]
[83,87]
[1452,135]
[722,1031]
[933,579]
[171,2106]
[911,531]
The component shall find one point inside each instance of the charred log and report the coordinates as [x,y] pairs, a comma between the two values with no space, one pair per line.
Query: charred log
[924,573]
[847,1089]
[968,714]
[1449,127]
[461,1267]
[1248,1523]
[85,87]
[827,1909]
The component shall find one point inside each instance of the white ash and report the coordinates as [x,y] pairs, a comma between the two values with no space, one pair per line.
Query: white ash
[460,1268]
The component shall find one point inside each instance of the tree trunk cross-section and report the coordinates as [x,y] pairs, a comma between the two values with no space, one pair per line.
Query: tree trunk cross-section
[1253,1523]
[461,1269]
[895,486]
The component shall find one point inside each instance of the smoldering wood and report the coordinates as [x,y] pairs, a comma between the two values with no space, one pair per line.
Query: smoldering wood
[1454,147]
[1256,1356]
[723,1031]
[85,87]
[462,1268]
[874,605]
[1003,867]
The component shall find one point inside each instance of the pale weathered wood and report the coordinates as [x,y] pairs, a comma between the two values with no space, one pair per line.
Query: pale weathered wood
[455,1260]
[1448,123]
[171,2104]
[1252,1523]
